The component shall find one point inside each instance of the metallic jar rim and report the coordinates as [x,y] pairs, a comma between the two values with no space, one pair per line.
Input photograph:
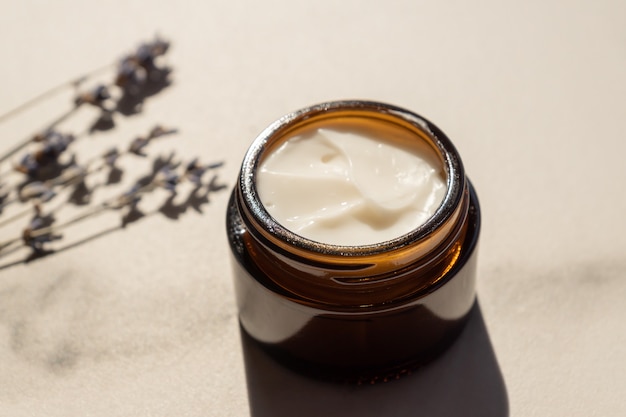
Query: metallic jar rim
[451,162]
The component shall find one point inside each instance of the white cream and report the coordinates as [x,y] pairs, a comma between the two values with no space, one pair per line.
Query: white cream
[351,186]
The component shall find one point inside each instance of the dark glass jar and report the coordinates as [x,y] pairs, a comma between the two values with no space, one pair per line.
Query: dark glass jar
[370,311]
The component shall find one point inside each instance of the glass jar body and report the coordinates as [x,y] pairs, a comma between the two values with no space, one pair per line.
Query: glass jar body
[369,342]
[355,311]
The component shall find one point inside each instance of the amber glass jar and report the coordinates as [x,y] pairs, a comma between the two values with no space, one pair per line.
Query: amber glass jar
[370,311]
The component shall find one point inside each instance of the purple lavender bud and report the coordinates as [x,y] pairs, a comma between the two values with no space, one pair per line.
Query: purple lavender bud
[148,52]
[129,74]
[194,172]
[59,143]
[144,56]
[28,164]
[96,96]
[159,47]
[36,223]
[129,198]
[101,93]
[167,178]
[193,165]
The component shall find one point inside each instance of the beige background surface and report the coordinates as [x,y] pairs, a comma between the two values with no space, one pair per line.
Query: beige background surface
[142,321]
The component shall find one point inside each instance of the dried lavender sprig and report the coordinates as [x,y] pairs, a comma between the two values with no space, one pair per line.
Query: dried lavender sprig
[127,78]
[166,178]
[75,176]
[30,139]
[143,57]
[114,203]
[76,82]
[78,174]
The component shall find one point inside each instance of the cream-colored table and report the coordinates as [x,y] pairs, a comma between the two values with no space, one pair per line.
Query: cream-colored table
[141,321]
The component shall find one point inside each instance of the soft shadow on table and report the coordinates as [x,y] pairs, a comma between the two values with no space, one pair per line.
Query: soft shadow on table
[465,381]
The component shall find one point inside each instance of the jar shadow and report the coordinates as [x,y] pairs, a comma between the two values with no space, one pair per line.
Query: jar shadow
[465,380]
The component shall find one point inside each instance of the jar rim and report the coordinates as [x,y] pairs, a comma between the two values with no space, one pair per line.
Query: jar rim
[452,164]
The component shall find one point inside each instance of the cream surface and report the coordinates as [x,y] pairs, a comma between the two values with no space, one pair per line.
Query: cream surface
[343,187]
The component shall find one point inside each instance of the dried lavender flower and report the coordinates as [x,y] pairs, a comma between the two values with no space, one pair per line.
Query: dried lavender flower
[137,145]
[28,165]
[194,170]
[134,69]
[147,53]
[97,96]
[166,178]
[52,136]
[130,76]
[53,144]
[129,198]
[138,75]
